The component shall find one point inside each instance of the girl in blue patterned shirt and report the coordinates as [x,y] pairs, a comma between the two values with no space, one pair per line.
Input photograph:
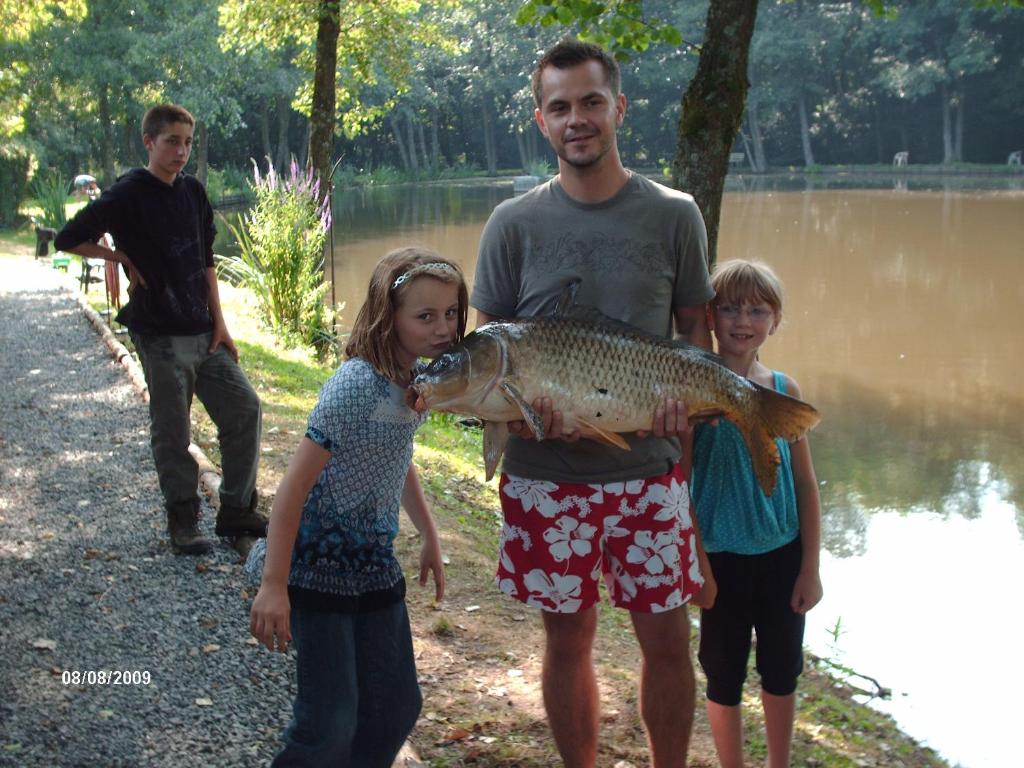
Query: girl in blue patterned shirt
[330,578]
[763,550]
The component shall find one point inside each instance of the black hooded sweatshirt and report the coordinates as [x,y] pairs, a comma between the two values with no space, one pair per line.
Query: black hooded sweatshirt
[167,231]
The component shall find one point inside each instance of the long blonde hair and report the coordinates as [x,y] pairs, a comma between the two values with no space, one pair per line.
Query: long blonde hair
[373,336]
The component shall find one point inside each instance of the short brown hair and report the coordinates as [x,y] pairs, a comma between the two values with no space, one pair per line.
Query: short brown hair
[739,281]
[373,336]
[570,52]
[159,117]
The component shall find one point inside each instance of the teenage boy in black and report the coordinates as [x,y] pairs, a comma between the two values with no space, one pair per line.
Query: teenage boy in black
[162,223]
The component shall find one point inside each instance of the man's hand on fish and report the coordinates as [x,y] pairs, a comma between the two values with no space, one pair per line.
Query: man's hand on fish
[552,420]
[671,419]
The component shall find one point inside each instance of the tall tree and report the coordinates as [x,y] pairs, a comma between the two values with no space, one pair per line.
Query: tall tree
[345,46]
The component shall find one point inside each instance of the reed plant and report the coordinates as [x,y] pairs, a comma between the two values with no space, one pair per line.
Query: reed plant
[281,256]
[51,191]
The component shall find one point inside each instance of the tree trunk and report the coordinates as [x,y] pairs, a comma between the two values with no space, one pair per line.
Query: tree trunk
[524,157]
[130,155]
[414,163]
[958,127]
[396,131]
[748,150]
[308,130]
[423,144]
[322,117]
[879,146]
[757,160]
[947,127]
[268,151]
[713,109]
[284,114]
[489,151]
[203,155]
[106,138]
[435,143]
[805,132]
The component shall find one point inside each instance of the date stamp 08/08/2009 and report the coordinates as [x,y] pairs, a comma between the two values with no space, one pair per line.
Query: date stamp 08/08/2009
[106,677]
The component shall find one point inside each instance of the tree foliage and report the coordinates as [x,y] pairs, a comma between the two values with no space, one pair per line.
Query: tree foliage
[829,82]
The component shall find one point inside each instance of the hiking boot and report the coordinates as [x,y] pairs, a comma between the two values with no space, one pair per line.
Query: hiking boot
[183,527]
[241,521]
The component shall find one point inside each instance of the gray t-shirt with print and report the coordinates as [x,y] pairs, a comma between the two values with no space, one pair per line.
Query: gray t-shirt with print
[639,255]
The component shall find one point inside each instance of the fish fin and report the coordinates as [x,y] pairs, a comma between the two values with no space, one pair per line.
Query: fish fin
[784,416]
[532,417]
[602,435]
[567,298]
[495,437]
[764,454]
[705,414]
[775,415]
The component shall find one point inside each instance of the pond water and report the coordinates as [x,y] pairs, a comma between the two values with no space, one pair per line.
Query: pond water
[904,309]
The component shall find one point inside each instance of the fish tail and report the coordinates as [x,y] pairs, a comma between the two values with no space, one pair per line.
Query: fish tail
[775,415]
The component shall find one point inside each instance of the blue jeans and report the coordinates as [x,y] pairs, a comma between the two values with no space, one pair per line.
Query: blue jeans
[357,698]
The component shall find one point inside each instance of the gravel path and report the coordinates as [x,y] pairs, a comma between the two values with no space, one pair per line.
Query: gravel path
[88,583]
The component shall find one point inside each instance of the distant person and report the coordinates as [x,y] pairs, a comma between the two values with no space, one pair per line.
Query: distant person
[162,224]
[764,551]
[329,573]
[84,184]
[639,250]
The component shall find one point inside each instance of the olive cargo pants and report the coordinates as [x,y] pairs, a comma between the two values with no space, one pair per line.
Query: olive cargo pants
[176,368]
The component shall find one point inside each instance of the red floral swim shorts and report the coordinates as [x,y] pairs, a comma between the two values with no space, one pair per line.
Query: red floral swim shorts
[559,538]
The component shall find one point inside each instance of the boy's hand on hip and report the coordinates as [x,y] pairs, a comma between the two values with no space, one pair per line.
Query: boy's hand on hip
[135,278]
[221,336]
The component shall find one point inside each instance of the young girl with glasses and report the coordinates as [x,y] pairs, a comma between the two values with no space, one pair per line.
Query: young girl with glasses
[763,550]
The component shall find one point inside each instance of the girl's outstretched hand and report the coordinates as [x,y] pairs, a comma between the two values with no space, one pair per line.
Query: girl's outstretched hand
[807,591]
[431,560]
[269,617]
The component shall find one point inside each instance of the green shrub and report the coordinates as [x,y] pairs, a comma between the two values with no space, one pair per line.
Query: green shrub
[215,185]
[14,167]
[281,256]
[51,191]
[538,168]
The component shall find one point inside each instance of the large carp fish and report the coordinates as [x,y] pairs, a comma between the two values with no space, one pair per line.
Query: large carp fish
[605,377]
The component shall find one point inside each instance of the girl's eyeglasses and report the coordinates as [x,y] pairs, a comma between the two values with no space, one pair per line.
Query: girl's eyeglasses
[756,314]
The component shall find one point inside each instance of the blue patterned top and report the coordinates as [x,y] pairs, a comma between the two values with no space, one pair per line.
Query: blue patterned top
[733,512]
[350,518]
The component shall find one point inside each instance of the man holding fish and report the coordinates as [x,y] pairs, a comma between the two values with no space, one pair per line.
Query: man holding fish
[576,509]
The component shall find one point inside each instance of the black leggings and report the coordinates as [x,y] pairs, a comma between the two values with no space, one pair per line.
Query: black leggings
[753,594]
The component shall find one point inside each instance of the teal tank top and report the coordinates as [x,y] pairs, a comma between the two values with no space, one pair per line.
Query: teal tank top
[734,513]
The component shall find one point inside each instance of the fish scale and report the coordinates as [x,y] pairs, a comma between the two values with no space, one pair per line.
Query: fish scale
[636,372]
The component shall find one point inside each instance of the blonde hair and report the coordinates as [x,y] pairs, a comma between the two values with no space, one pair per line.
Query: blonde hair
[373,336]
[739,281]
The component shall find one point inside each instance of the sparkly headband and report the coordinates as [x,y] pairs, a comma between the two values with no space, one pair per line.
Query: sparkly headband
[419,269]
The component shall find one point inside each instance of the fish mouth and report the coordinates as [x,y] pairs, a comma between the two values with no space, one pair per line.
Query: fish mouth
[416,398]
